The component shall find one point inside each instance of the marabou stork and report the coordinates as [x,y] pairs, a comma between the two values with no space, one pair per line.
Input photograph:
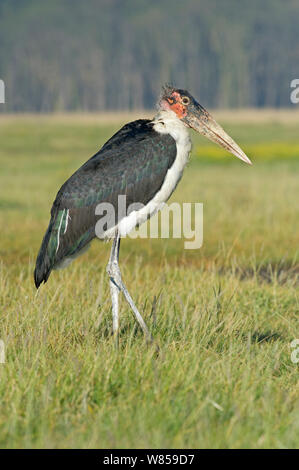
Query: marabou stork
[144,161]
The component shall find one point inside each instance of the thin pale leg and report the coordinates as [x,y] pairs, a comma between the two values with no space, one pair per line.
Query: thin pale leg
[114,290]
[116,280]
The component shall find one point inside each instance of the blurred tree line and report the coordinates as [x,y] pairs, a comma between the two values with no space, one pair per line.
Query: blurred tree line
[115,54]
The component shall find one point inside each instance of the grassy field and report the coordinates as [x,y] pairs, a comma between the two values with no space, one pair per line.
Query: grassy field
[224,316]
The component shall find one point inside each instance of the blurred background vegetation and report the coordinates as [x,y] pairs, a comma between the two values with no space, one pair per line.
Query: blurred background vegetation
[115,54]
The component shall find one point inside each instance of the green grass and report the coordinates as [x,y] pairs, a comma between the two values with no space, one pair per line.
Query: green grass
[224,316]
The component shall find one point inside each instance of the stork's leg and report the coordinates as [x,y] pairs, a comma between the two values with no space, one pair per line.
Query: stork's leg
[114,290]
[116,285]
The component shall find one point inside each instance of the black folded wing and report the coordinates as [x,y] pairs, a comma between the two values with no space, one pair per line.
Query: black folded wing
[134,163]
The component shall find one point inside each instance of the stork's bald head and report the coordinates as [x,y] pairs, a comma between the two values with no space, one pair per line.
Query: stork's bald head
[193,115]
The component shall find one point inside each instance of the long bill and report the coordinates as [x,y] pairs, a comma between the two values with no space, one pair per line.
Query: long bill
[201,121]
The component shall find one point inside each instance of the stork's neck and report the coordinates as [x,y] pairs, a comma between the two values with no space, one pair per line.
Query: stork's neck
[167,122]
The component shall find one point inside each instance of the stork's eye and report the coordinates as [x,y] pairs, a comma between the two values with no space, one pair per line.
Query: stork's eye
[185,100]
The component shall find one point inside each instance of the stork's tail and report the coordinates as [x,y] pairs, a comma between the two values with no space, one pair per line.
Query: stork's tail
[43,265]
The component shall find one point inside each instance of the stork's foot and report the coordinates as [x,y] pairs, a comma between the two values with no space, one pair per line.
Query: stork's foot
[117,285]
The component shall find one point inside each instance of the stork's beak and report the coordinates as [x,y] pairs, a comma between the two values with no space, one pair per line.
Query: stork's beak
[201,121]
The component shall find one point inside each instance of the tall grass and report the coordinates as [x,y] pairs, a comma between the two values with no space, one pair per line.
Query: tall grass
[224,316]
